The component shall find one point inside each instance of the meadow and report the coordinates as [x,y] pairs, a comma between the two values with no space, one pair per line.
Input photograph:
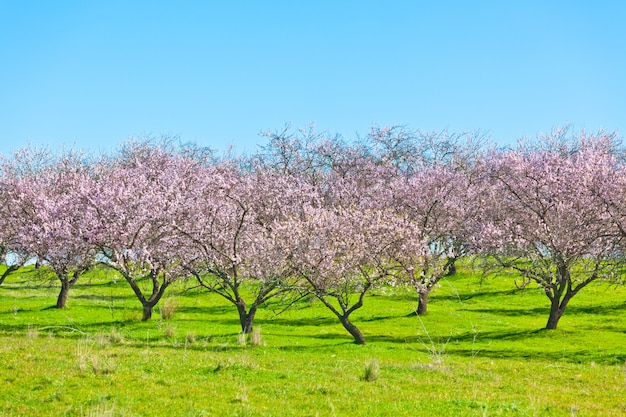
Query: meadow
[479,351]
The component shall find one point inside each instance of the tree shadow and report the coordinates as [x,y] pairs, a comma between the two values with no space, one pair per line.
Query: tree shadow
[574,356]
[518,312]
[544,311]
[597,309]
[102,297]
[486,294]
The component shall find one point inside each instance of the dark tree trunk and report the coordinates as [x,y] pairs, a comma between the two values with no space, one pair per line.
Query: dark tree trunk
[7,272]
[422,305]
[553,320]
[65,290]
[451,267]
[147,312]
[158,289]
[353,330]
[557,308]
[66,284]
[246,318]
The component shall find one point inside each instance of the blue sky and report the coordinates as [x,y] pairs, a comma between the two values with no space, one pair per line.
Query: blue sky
[90,74]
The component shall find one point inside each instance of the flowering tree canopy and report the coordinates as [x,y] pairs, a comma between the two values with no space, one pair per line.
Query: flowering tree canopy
[48,216]
[231,229]
[137,200]
[544,219]
[437,201]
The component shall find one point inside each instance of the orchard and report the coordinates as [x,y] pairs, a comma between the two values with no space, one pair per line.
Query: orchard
[313,215]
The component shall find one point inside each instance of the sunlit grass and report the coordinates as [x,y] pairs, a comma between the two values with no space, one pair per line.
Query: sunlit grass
[479,351]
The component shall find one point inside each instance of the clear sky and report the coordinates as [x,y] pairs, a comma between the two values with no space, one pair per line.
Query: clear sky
[89,74]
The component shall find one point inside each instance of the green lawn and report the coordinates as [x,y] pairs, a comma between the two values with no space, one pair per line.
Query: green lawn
[480,351]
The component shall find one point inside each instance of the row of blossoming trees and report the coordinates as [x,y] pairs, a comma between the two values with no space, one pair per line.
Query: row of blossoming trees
[314,215]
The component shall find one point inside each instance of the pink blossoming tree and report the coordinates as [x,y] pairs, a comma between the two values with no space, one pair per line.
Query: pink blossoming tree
[543,219]
[49,214]
[231,228]
[137,201]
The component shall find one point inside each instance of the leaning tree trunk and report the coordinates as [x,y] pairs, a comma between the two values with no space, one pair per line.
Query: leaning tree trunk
[7,272]
[557,308]
[62,298]
[345,312]
[352,329]
[553,320]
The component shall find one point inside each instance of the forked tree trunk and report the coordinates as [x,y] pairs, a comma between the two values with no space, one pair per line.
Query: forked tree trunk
[344,315]
[66,284]
[353,330]
[246,318]
[557,308]
[149,304]
[158,289]
[553,320]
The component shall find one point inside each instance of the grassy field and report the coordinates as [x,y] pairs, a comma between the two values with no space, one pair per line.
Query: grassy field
[480,351]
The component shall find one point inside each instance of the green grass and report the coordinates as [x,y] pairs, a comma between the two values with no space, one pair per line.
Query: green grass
[480,351]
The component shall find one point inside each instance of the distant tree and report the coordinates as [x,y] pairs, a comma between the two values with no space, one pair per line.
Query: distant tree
[434,175]
[437,200]
[411,150]
[543,217]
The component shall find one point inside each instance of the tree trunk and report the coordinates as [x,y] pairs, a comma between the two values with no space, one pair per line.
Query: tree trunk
[555,316]
[65,290]
[353,330]
[451,267]
[147,312]
[66,284]
[422,305]
[7,272]
[246,319]
[557,308]
[147,303]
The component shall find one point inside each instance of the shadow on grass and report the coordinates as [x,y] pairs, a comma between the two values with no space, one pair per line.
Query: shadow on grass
[510,312]
[485,294]
[69,330]
[555,357]
[599,309]
[206,310]
[484,337]
[103,297]
[101,284]
[544,311]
